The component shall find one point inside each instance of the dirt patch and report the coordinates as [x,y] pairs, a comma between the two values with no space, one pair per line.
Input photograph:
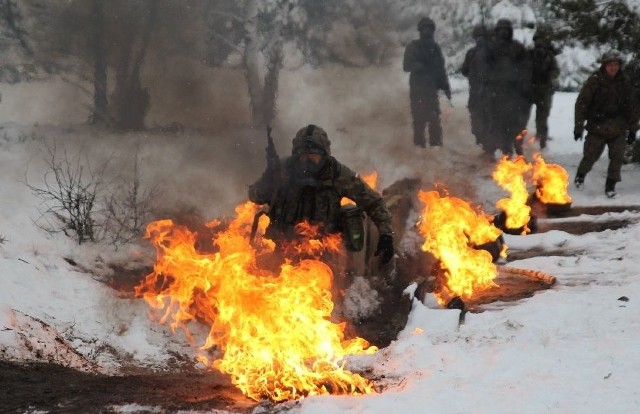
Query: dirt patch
[53,388]
[584,226]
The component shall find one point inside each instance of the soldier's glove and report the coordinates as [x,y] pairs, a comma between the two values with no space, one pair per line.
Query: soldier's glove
[577,133]
[447,93]
[385,247]
[631,138]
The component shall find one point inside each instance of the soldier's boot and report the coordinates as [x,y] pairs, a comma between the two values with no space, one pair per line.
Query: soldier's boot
[579,180]
[419,139]
[610,188]
[543,141]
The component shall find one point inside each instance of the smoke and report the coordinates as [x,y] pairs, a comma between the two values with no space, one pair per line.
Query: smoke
[366,114]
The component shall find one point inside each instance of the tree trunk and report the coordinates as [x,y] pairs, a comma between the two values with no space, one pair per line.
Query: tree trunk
[100,115]
[270,93]
[251,61]
[131,101]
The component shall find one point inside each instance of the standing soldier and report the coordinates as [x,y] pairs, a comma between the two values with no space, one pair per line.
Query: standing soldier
[509,87]
[545,74]
[425,62]
[605,102]
[475,69]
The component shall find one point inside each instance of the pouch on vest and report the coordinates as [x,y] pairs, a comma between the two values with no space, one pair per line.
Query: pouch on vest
[352,226]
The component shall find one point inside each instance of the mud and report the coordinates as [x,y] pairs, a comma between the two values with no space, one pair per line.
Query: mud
[55,389]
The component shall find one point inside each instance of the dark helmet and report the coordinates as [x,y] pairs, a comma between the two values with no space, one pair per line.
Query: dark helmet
[611,55]
[312,139]
[542,33]
[504,26]
[426,23]
[506,23]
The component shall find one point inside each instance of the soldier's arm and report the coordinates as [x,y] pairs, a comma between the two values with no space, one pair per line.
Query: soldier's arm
[368,199]
[262,190]
[466,64]
[584,100]
[411,63]
[443,82]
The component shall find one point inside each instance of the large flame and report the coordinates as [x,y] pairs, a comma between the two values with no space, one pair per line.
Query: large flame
[510,175]
[551,181]
[452,229]
[270,330]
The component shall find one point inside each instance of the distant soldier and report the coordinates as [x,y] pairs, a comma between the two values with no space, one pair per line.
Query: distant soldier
[475,68]
[545,74]
[424,61]
[509,87]
[605,102]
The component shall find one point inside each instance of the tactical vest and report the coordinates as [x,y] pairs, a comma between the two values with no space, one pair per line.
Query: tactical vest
[318,203]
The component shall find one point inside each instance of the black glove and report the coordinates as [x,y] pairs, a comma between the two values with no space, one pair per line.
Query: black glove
[631,138]
[385,247]
[577,134]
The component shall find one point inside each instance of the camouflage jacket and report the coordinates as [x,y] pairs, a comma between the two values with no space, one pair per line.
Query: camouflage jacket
[606,104]
[424,61]
[289,203]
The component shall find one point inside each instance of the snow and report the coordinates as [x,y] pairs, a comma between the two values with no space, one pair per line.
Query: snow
[570,349]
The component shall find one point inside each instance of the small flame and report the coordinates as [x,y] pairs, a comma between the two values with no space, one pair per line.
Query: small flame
[452,229]
[551,182]
[271,329]
[372,181]
[510,175]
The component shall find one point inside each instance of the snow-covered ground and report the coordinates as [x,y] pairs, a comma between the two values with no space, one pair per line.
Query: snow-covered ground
[571,349]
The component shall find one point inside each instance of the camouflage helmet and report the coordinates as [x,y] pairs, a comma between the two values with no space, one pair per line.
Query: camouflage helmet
[312,139]
[611,55]
[426,23]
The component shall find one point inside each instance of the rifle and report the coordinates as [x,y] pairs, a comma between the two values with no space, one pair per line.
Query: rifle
[273,160]
[273,173]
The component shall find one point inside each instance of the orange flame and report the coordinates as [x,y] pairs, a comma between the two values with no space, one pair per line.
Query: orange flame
[551,181]
[452,230]
[510,175]
[270,330]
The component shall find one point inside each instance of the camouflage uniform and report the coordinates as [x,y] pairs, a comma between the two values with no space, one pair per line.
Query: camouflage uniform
[509,87]
[315,199]
[424,61]
[545,73]
[475,68]
[606,105]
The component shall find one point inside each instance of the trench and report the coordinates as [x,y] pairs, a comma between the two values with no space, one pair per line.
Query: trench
[54,388]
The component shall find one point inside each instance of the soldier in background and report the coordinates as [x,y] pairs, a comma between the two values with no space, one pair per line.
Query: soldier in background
[475,68]
[509,90]
[544,77]
[424,61]
[605,103]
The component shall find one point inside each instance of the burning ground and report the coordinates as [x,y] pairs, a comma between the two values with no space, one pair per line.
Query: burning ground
[565,349]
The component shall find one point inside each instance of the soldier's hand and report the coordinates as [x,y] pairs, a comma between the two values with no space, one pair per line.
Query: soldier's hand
[631,138]
[577,134]
[447,93]
[385,248]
